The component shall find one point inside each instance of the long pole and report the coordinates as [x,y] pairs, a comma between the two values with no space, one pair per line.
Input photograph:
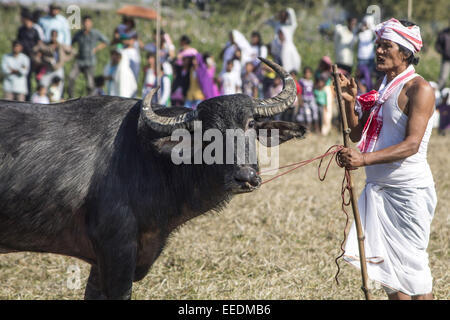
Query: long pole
[359,230]
[410,5]
[158,43]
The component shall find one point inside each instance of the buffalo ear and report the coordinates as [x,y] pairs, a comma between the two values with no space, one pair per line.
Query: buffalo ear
[286,132]
[164,146]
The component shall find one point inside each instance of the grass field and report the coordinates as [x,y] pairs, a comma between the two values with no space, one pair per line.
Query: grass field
[276,243]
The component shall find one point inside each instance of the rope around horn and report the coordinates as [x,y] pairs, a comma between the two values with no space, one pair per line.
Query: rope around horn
[345,188]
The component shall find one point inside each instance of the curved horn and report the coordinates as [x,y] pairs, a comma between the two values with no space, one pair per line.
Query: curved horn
[271,106]
[165,124]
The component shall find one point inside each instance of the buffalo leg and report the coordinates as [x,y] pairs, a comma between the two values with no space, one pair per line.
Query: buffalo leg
[93,288]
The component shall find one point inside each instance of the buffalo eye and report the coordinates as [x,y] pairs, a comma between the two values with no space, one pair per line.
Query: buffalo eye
[251,124]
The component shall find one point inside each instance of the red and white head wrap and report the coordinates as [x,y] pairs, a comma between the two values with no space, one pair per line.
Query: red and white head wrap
[393,30]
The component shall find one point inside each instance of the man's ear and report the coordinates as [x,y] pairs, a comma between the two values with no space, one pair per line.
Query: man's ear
[286,132]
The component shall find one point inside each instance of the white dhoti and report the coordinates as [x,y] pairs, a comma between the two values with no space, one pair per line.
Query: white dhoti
[396,224]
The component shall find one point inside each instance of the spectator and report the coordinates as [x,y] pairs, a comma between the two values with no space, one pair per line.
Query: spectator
[133,55]
[194,94]
[15,68]
[237,48]
[321,100]
[180,84]
[36,15]
[55,21]
[287,22]
[89,41]
[290,58]
[444,112]
[119,76]
[28,37]
[443,47]
[296,105]
[308,110]
[128,27]
[344,41]
[40,96]
[267,75]
[163,95]
[250,82]
[211,69]
[185,49]
[99,82]
[54,92]
[324,71]
[366,51]
[258,49]
[50,59]
[230,81]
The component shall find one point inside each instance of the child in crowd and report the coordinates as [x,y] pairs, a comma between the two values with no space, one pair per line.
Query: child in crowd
[230,80]
[308,113]
[250,82]
[99,82]
[54,90]
[40,96]
[321,99]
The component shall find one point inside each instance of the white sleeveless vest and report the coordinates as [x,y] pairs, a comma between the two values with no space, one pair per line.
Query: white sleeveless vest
[413,171]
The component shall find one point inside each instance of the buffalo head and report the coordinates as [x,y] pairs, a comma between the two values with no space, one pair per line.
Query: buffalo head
[224,113]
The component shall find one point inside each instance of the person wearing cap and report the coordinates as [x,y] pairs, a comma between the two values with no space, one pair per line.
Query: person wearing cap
[55,21]
[89,41]
[393,126]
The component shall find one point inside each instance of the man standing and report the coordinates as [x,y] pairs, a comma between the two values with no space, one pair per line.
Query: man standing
[443,47]
[399,199]
[15,67]
[89,41]
[28,37]
[344,42]
[55,21]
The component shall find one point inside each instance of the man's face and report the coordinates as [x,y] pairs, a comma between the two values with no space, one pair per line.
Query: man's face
[17,48]
[54,12]
[388,55]
[87,24]
[27,23]
[352,23]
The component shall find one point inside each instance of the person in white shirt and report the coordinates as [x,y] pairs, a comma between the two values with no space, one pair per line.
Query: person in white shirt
[15,68]
[287,20]
[119,76]
[366,51]
[231,81]
[344,42]
[40,96]
[55,21]
[132,54]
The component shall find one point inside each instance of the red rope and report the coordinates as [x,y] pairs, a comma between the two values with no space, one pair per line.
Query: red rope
[345,187]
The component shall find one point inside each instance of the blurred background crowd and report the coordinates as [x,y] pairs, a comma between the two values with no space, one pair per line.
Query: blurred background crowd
[46,61]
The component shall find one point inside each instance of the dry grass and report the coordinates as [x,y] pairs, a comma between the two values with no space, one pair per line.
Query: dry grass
[276,243]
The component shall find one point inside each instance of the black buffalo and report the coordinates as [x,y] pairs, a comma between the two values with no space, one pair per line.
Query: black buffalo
[92,178]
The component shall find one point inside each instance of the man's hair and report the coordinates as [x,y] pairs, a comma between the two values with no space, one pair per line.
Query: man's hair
[411,58]
[99,81]
[87,17]
[184,38]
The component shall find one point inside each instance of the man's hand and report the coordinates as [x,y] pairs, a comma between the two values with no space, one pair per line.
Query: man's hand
[351,158]
[349,89]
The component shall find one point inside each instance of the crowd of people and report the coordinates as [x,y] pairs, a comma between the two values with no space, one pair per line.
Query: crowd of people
[44,44]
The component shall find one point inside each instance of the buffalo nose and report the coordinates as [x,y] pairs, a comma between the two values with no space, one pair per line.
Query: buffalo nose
[248,174]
